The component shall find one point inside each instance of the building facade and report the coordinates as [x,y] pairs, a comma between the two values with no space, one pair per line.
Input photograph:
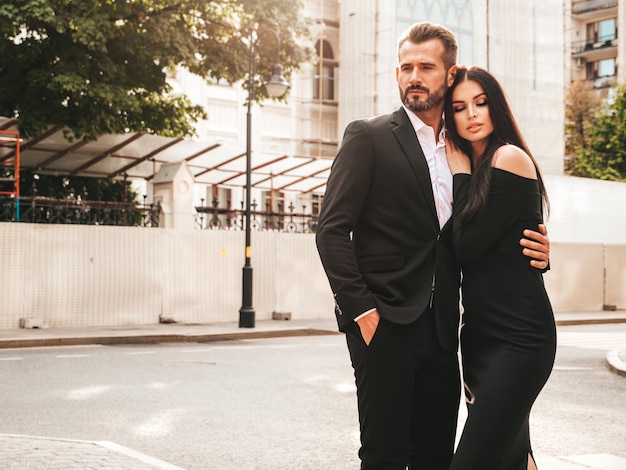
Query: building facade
[301,133]
[594,51]
[519,41]
[534,48]
[353,76]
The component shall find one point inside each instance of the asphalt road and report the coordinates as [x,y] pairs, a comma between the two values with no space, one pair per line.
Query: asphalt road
[277,403]
[582,409]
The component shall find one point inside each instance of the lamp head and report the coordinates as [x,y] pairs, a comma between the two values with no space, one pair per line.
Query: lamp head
[277,85]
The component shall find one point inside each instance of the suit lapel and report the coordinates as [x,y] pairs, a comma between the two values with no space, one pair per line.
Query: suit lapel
[405,134]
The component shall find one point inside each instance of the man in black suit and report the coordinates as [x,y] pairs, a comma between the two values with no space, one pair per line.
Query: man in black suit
[385,246]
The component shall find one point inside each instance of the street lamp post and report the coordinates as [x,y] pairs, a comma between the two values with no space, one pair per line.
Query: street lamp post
[276,87]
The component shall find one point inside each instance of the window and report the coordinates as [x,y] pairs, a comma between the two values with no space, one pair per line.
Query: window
[274,207]
[606,30]
[316,204]
[324,75]
[606,68]
[603,31]
[601,69]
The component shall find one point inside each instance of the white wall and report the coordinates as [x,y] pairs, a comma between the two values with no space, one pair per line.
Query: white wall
[71,275]
[526,55]
[585,210]
[77,276]
[575,281]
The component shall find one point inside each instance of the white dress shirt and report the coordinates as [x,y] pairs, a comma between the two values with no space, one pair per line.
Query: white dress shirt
[440,176]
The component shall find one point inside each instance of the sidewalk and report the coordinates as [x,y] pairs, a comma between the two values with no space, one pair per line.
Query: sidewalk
[162,333]
[36,453]
[222,331]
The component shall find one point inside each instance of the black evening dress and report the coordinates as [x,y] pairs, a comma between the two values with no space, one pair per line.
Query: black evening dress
[508,338]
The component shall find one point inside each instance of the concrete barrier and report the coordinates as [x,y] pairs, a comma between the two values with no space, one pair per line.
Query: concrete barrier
[70,275]
[575,281]
[615,288]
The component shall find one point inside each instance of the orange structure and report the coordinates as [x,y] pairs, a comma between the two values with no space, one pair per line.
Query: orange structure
[10,138]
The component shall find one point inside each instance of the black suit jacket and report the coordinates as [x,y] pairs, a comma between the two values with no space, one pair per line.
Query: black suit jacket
[378,235]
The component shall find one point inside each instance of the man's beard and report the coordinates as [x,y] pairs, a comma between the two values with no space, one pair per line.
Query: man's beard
[417,104]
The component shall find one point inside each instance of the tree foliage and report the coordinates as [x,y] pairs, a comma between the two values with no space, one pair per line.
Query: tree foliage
[582,103]
[100,66]
[73,187]
[605,156]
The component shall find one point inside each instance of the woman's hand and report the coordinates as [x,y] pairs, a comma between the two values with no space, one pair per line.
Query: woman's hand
[458,162]
[537,247]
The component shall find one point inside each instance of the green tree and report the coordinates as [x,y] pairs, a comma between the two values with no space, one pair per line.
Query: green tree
[100,66]
[582,104]
[605,158]
[72,187]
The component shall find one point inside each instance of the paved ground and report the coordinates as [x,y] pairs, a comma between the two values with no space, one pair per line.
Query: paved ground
[38,453]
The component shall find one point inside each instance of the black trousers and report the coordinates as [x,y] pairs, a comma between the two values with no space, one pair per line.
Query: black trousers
[408,391]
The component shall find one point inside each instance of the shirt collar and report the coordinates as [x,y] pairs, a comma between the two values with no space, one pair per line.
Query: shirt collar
[419,125]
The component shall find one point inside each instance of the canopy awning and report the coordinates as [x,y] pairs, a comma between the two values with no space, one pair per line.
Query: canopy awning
[139,156]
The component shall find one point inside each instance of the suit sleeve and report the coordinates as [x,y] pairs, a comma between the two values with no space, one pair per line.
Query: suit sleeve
[474,237]
[346,193]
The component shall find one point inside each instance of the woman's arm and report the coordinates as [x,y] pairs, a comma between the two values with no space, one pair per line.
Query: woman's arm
[472,238]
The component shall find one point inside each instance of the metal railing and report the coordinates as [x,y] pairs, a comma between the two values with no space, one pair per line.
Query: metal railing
[293,219]
[42,210]
[588,45]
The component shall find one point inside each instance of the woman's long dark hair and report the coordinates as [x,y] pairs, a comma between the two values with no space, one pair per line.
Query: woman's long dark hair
[505,131]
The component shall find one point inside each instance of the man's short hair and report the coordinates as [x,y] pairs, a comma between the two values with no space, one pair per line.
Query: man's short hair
[425,31]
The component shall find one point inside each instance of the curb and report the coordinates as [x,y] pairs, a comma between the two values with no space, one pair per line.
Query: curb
[160,338]
[88,337]
[615,364]
[589,321]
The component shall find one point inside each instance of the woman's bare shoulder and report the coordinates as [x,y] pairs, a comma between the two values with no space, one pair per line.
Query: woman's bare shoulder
[514,160]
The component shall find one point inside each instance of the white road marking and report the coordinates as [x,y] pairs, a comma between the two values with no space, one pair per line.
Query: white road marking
[159,424]
[345,387]
[88,392]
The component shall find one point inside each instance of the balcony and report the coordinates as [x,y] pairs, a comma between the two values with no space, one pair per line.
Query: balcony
[604,82]
[601,49]
[587,9]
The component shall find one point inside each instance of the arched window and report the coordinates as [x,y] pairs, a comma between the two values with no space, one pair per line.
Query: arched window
[324,75]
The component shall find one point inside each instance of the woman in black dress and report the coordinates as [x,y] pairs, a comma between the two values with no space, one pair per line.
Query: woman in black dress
[508,339]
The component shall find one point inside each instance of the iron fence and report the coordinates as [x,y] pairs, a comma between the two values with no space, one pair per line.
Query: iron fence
[293,219]
[42,210]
